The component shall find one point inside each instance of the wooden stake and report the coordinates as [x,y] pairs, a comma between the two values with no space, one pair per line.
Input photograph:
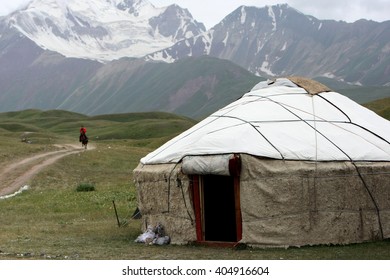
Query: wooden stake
[116,214]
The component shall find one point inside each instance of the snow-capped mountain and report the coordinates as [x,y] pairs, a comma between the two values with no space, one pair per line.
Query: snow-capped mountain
[103,29]
[268,41]
[279,40]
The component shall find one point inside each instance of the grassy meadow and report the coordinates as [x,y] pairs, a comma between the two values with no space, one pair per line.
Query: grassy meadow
[52,220]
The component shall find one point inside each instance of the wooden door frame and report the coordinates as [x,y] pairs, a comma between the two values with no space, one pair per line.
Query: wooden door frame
[198,209]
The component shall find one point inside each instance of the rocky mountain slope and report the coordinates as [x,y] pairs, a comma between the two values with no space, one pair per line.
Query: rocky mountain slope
[279,40]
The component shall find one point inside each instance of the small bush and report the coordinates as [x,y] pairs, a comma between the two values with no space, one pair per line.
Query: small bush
[85,187]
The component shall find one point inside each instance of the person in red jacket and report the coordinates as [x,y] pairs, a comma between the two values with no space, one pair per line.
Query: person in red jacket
[83,130]
[83,134]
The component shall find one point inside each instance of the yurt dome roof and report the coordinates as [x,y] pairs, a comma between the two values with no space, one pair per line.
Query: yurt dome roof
[289,118]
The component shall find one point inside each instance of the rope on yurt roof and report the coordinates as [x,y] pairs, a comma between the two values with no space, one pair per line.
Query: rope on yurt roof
[351,122]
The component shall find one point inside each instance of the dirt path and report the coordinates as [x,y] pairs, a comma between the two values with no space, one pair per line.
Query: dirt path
[15,175]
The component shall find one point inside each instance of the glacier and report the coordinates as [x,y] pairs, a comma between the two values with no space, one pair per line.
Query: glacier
[102,30]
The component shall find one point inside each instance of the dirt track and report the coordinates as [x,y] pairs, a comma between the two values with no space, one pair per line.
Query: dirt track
[15,175]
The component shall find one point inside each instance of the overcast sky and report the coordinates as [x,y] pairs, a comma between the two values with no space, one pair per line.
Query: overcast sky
[211,12]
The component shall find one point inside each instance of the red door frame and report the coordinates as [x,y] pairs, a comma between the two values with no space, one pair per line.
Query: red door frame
[197,202]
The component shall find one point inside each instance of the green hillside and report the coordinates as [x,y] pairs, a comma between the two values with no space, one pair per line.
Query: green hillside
[59,126]
[381,107]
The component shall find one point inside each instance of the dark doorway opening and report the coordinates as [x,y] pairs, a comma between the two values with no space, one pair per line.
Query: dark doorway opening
[219,208]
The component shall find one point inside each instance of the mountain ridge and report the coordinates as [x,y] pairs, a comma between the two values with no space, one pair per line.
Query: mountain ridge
[279,40]
[205,71]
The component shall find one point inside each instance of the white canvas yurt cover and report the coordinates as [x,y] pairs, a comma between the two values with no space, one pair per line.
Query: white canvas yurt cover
[310,166]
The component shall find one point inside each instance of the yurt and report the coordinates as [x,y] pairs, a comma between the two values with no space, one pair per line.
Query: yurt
[290,163]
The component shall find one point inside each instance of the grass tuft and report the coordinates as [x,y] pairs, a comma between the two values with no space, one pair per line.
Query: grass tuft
[85,187]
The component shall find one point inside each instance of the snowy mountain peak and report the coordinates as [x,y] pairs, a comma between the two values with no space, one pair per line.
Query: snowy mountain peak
[134,6]
[103,29]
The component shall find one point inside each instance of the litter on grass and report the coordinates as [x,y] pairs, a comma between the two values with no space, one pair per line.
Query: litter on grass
[154,236]
[22,189]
